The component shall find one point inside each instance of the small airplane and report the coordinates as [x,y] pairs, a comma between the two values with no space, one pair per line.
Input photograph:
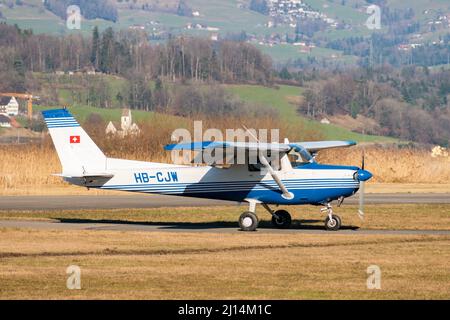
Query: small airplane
[299,182]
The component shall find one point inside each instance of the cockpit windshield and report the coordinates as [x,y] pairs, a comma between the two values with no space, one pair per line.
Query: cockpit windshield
[300,156]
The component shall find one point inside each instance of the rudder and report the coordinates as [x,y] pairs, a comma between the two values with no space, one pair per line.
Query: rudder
[77,152]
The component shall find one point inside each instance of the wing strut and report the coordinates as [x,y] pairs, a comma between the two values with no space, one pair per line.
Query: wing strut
[286,194]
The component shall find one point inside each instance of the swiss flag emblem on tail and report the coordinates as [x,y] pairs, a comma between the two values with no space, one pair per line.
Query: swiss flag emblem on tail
[74,139]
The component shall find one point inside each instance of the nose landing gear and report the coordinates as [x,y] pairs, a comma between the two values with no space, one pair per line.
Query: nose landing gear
[332,221]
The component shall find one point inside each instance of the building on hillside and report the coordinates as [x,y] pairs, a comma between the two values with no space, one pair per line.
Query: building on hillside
[325,121]
[127,127]
[9,106]
[215,37]
[5,121]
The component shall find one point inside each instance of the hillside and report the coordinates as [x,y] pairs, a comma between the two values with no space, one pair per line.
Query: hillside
[349,77]
[281,36]
[282,98]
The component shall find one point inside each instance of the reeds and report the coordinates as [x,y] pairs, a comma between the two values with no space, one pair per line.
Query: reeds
[392,164]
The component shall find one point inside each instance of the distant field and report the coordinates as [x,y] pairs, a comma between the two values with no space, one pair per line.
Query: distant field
[287,52]
[221,14]
[335,9]
[421,6]
[82,112]
[228,17]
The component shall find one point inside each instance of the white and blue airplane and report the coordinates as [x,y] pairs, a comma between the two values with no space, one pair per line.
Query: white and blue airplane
[291,183]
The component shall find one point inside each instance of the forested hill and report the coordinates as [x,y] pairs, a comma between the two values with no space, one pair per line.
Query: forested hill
[125,53]
[90,9]
[323,33]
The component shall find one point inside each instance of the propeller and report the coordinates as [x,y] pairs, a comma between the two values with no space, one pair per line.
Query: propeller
[362,191]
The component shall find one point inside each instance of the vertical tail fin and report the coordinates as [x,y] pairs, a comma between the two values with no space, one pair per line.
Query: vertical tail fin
[78,154]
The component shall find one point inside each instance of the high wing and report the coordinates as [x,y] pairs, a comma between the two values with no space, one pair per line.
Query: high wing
[312,146]
[252,146]
[282,148]
[316,146]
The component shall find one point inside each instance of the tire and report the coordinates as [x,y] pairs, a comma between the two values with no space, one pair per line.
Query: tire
[284,220]
[248,221]
[334,224]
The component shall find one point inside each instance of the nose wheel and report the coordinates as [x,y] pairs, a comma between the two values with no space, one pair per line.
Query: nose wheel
[333,224]
[332,221]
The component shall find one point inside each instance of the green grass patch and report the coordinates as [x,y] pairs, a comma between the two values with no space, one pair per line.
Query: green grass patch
[281,99]
[82,112]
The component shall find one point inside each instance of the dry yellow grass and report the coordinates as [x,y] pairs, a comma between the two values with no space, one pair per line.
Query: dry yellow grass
[138,265]
[390,164]
[374,187]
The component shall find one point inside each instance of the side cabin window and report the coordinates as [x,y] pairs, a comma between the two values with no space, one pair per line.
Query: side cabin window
[298,159]
[258,166]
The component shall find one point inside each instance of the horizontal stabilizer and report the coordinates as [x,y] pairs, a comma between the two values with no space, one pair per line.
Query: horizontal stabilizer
[96,175]
[87,180]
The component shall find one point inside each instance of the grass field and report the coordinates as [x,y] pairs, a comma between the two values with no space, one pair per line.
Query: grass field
[81,113]
[165,265]
[421,7]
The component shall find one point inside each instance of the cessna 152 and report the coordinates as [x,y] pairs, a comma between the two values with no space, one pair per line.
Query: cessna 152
[292,183]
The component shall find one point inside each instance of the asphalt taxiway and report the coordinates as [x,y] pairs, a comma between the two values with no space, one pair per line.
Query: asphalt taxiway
[137,201]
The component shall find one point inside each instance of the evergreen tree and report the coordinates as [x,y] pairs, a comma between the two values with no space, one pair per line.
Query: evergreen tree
[95,47]
[183,9]
[260,6]
[106,61]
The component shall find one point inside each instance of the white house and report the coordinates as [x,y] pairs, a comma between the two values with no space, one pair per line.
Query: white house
[126,125]
[10,109]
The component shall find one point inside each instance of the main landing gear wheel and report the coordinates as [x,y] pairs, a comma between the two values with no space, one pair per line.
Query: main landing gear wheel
[281,219]
[333,224]
[248,221]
